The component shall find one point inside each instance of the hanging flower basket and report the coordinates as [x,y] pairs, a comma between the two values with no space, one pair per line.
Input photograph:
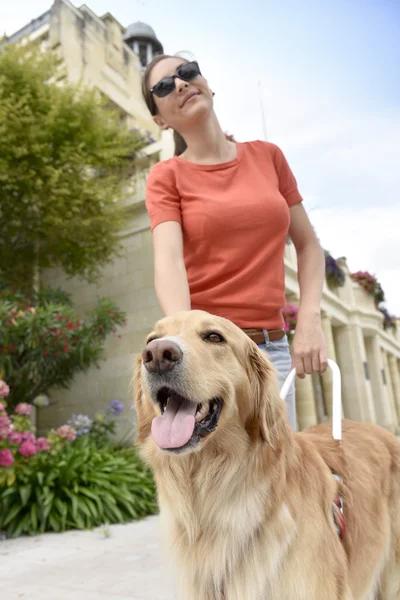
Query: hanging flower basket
[389,321]
[335,275]
[290,312]
[370,285]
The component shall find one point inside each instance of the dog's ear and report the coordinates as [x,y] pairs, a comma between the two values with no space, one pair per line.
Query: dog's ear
[269,409]
[144,412]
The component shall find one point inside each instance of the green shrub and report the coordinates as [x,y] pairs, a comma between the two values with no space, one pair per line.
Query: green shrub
[81,486]
[46,345]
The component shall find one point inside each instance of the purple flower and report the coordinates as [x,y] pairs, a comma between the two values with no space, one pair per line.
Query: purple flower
[115,407]
[81,423]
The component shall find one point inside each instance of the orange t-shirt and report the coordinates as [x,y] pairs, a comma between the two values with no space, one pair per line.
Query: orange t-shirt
[235,220]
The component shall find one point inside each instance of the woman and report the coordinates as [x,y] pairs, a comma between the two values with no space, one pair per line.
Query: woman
[220,214]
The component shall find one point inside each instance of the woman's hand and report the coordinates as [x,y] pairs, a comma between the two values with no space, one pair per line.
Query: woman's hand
[309,347]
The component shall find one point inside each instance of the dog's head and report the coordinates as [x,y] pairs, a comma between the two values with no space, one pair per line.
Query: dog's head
[199,375]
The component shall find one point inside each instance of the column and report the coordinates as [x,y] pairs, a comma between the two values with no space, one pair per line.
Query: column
[305,405]
[319,399]
[380,391]
[149,53]
[388,382]
[356,386]
[395,379]
[327,378]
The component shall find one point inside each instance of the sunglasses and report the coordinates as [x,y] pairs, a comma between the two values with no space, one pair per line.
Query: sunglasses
[186,72]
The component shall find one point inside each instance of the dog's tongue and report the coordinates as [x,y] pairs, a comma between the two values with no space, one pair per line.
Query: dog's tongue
[175,427]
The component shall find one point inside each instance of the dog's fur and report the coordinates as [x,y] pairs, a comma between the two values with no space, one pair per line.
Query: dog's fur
[248,514]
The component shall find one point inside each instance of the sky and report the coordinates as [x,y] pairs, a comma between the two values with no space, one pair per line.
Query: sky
[325,75]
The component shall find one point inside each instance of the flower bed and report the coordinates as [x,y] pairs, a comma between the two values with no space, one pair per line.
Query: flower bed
[72,478]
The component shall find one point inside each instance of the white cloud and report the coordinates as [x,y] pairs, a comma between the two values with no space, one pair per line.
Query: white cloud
[369,239]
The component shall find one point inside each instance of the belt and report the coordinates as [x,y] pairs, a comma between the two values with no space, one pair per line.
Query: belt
[258,336]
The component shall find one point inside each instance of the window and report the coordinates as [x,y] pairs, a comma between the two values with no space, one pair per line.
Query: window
[143,53]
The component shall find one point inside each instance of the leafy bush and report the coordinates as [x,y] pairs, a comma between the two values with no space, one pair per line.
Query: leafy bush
[81,487]
[74,478]
[44,346]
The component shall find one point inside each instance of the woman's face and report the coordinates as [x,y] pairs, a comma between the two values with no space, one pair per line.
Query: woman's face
[189,101]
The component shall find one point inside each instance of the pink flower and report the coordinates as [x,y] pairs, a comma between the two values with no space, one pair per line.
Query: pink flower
[27,436]
[5,426]
[15,437]
[2,407]
[42,445]
[6,458]
[66,432]
[4,389]
[27,449]
[23,408]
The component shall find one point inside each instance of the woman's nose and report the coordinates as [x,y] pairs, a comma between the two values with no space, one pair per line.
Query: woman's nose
[180,85]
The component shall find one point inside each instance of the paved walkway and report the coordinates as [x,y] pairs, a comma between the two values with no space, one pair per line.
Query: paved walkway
[81,565]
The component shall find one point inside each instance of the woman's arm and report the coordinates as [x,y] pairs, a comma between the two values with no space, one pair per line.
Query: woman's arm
[170,276]
[309,345]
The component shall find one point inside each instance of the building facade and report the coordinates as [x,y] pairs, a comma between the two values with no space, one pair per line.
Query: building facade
[100,53]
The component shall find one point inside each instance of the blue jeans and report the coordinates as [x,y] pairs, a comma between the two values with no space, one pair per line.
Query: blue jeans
[279,354]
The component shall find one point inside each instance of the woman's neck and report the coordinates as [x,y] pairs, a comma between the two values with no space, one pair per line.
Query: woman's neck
[207,144]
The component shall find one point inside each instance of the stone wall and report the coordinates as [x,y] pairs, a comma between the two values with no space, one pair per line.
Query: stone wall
[129,282]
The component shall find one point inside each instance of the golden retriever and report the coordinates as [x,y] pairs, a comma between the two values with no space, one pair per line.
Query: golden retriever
[246,504]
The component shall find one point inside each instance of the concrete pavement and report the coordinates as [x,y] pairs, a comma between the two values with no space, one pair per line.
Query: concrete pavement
[119,562]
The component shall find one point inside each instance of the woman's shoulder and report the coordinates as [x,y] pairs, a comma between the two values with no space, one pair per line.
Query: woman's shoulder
[163,166]
[260,146]
[164,170]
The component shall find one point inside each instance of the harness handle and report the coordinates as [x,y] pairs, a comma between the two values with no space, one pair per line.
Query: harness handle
[336,397]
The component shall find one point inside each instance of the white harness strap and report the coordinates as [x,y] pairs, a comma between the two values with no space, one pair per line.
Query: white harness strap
[336,397]
[338,515]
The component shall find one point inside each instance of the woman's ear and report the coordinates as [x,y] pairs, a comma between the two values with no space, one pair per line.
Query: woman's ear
[160,122]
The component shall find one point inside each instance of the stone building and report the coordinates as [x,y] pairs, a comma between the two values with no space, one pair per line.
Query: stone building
[101,53]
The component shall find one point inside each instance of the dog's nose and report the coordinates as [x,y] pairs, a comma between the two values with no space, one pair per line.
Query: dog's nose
[161,356]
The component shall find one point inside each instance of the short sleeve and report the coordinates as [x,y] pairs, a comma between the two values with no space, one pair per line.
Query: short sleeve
[163,202]
[287,181]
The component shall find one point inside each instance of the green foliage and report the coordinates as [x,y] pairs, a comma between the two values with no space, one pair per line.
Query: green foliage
[43,347]
[64,163]
[81,487]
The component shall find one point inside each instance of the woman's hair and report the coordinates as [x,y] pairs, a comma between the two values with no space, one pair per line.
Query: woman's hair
[180,144]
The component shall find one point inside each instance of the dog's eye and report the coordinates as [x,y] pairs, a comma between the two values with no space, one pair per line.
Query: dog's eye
[213,336]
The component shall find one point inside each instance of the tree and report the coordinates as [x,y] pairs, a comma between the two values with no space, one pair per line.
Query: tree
[65,161]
